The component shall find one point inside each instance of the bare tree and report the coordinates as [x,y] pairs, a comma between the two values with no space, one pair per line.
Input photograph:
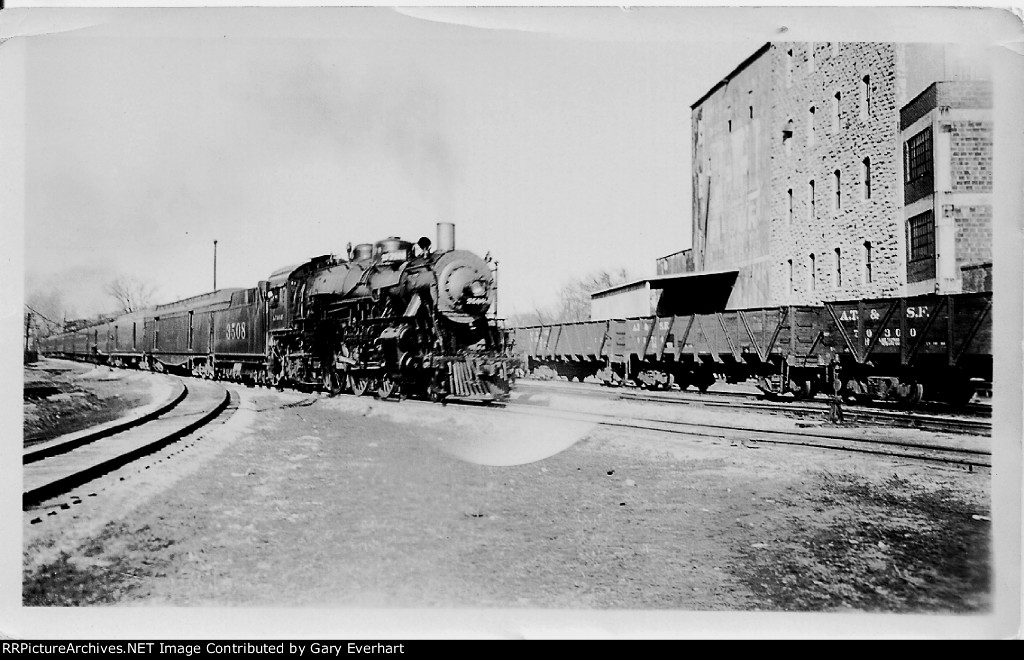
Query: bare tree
[574,296]
[48,309]
[573,299]
[130,293]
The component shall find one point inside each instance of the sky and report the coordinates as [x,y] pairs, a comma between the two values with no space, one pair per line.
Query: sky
[556,139]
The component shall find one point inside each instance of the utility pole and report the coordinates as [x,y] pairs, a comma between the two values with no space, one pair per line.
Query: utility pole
[214,264]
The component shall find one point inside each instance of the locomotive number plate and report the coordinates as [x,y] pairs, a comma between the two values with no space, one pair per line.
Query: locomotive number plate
[236,330]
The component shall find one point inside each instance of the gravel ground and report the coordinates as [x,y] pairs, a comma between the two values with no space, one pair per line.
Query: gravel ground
[460,518]
[62,397]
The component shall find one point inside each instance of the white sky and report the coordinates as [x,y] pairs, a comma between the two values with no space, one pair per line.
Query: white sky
[555,138]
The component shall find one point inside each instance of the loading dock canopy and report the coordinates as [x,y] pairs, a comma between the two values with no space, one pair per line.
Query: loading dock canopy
[685,293]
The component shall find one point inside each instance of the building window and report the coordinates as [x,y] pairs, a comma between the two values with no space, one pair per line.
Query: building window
[922,236]
[811,202]
[838,180]
[917,155]
[792,288]
[813,274]
[868,275]
[789,206]
[730,126]
[751,109]
[810,127]
[866,170]
[787,137]
[839,268]
[835,112]
[865,97]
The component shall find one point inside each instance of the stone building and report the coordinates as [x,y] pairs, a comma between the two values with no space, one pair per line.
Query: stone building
[798,172]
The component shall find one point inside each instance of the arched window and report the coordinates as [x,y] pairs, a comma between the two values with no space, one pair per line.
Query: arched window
[866,172]
[813,273]
[836,116]
[838,180]
[867,262]
[839,268]
[810,127]
[865,97]
[787,137]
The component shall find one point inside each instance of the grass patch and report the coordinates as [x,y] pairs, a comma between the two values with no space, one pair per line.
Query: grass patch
[885,546]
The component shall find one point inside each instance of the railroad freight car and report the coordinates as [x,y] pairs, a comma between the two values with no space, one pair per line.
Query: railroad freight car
[934,347]
[900,348]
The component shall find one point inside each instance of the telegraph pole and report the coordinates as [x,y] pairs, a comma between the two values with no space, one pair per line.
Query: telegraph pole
[214,264]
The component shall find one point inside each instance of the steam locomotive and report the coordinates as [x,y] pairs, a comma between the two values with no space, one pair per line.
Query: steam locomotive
[393,317]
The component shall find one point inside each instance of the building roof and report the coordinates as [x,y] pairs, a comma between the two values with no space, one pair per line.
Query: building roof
[660,281]
[732,74]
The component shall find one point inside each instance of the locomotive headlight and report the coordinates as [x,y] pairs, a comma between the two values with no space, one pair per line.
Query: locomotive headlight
[477,289]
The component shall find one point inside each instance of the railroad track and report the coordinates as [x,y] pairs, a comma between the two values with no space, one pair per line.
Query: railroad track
[977,422]
[965,452]
[968,453]
[59,466]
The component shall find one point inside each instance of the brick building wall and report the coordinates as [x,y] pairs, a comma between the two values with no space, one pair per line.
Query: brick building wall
[973,235]
[971,156]
[798,169]
[773,212]
[853,242]
[958,195]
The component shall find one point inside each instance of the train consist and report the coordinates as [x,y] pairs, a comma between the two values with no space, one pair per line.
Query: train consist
[924,347]
[390,317]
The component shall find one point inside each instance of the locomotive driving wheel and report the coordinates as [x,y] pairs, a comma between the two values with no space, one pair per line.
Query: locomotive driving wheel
[332,384]
[388,387]
[358,384]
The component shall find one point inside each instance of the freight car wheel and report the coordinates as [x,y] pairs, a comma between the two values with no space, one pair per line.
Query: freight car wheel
[916,394]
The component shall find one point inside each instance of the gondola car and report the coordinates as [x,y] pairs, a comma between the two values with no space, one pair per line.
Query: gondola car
[931,346]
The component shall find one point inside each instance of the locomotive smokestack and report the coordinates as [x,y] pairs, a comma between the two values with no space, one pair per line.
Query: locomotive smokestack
[445,237]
